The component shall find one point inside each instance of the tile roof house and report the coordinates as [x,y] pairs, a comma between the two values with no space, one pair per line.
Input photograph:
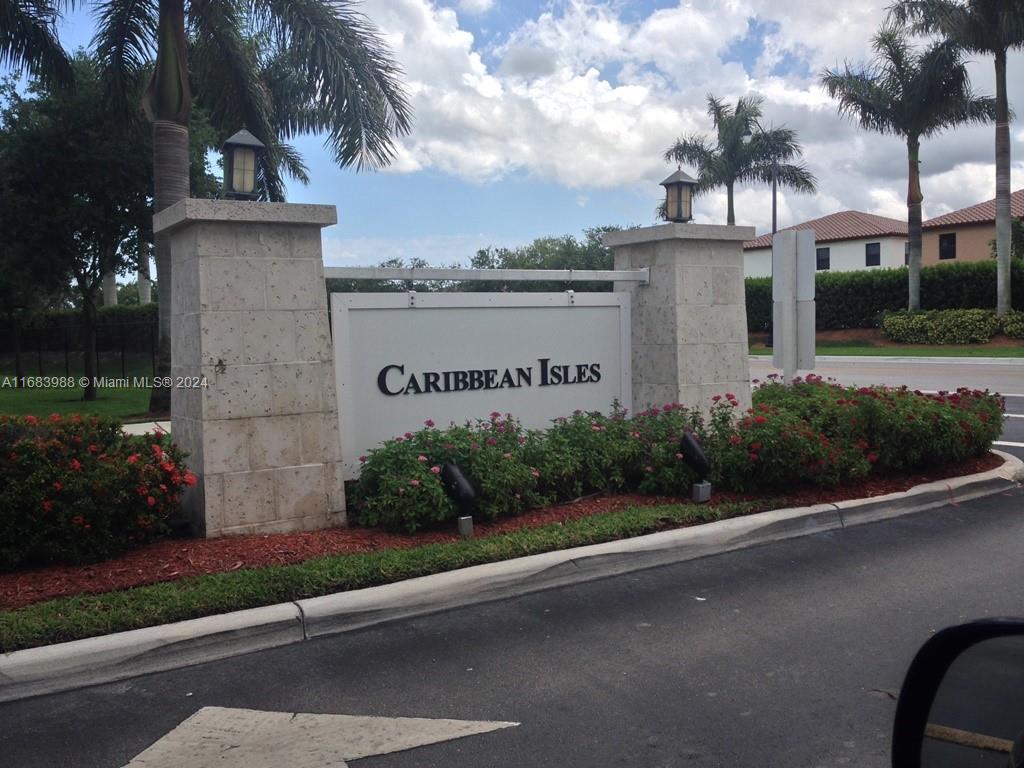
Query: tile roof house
[964,235]
[846,241]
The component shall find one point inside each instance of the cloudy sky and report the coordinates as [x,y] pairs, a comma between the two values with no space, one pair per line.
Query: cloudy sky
[543,118]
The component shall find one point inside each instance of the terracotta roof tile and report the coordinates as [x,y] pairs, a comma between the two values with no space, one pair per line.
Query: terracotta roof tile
[845,225]
[982,213]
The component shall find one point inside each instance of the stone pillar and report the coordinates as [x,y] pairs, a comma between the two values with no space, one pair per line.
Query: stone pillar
[689,324]
[249,316]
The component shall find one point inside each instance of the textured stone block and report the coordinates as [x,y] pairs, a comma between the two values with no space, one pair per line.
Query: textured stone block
[227,284]
[275,441]
[268,337]
[301,491]
[295,284]
[728,286]
[312,336]
[297,388]
[221,336]
[319,438]
[226,446]
[238,392]
[695,285]
[249,498]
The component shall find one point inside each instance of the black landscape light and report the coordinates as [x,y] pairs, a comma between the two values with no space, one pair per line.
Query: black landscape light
[461,491]
[679,188]
[242,153]
[695,458]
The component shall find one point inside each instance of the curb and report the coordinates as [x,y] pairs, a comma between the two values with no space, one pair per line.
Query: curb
[80,663]
[904,359]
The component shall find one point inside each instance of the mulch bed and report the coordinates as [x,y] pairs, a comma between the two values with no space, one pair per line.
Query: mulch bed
[179,558]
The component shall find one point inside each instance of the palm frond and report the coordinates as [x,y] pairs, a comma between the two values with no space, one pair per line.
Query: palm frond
[692,150]
[28,40]
[861,97]
[125,46]
[350,71]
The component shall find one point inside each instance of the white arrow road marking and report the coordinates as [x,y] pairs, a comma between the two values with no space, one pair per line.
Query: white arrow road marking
[248,738]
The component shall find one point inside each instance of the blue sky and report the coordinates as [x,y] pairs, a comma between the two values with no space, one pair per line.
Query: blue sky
[544,118]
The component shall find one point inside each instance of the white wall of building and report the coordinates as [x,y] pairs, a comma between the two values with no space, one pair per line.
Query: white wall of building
[844,256]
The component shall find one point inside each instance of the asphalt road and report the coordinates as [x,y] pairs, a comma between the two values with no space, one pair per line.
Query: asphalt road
[781,655]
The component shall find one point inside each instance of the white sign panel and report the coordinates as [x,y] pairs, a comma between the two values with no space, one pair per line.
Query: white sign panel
[404,358]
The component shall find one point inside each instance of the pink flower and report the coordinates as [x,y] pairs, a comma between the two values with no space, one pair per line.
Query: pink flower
[648,469]
[47,506]
[54,417]
[414,483]
[133,458]
[716,398]
[408,435]
[492,441]
[76,465]
[421,457]
[521,439]
[535,472]
[57,485]
[429,422]
[495,415]
[679,455]
[362,459]
[151,501]
[474,447]
[435,469]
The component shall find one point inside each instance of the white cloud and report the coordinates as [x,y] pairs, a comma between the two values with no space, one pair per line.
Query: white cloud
[475,7]
[580,96]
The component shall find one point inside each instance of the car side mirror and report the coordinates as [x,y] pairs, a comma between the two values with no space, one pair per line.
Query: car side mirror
[962,701]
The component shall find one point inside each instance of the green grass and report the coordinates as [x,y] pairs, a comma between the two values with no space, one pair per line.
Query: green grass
[74,618]
[120,403]
[910,350]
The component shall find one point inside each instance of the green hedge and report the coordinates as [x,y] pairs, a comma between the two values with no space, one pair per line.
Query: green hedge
[941,326]
[859,299]
[105,316]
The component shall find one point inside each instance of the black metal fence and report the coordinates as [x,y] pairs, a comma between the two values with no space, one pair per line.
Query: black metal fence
[57,349]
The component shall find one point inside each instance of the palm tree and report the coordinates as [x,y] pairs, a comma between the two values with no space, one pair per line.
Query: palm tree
[914,95]
[985,27]
[28,40]
[279,67]
[729,159]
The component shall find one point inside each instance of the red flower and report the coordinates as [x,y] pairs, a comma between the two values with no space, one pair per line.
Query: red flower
[189,479]
[755,446]
[157,450]
[735,440]
[872,458]
[716,398]
[31,420]
[133,458]
[151,501]
[429,422]
[752,456]
[54,417]
[47,506]
[760,419]
[76,465]
[78,520]
[57,486]
[491,441]
[362,459]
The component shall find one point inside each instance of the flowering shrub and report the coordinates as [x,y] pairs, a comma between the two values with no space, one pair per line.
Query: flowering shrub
[812,431]
[73,489]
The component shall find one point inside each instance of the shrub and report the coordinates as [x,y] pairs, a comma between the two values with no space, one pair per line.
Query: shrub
[858,299]
[75,490]
[811,432]
[950,326]
[1013,325]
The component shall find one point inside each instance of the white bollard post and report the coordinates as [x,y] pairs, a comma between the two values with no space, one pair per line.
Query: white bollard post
[793,307]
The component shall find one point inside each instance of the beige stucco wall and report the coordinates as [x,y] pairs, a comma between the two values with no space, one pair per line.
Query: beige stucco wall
[971,243]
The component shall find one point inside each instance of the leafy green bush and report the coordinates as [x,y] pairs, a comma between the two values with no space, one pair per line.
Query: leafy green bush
[811,432]
[1013,325]
[74,489]
[948,326]
[859,299]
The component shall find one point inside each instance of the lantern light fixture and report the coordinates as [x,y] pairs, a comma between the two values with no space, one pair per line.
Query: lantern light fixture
[679,189]
[242,153]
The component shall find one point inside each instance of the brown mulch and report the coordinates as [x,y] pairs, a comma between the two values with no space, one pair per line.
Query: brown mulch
[178,558]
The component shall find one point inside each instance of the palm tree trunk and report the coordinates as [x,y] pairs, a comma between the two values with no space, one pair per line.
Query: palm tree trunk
[145,288]
[730,217]
[914,200]
[170,180]
[168,101]
[1003,226]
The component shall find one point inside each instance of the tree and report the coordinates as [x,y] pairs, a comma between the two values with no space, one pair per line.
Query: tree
[76,185]
[28,40]
[914,95]
[280,67]
[729,159]
[987,27]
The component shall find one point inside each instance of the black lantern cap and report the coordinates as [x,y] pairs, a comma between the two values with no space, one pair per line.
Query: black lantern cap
[244,139]
[679,177]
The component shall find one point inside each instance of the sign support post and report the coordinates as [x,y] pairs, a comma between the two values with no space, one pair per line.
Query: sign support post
[793,304]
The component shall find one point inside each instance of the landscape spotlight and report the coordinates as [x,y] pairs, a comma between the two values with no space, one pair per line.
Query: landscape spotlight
[695,458]
[459,488]
[241,157]
[679,188]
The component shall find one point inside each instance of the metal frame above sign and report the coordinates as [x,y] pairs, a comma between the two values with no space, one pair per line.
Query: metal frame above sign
[545,334]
